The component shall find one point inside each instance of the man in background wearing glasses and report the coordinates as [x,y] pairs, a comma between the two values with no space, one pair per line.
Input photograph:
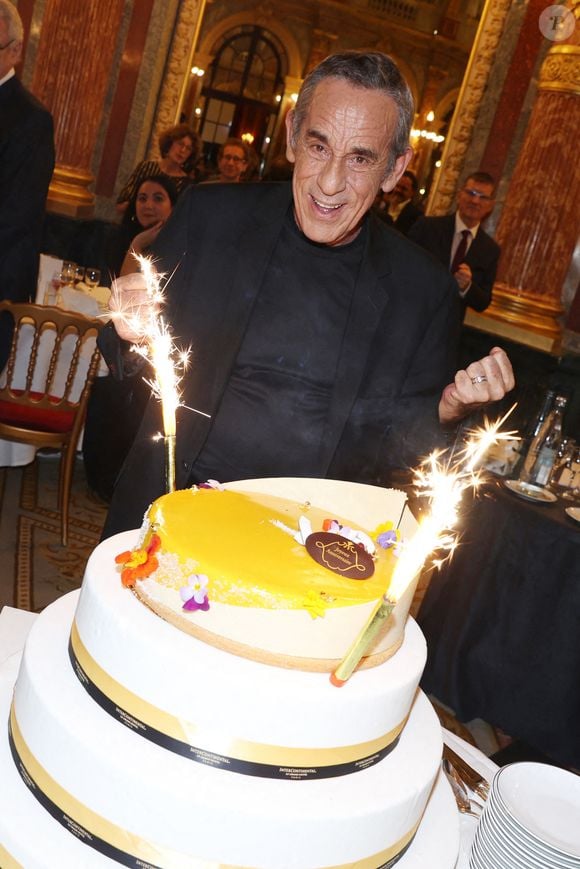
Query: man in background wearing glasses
[26,165]
[233,161]
[459,242]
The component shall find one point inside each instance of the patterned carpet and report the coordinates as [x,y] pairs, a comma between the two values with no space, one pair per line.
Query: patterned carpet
[36,568]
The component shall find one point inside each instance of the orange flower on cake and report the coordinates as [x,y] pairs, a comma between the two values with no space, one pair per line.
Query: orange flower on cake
[139,563]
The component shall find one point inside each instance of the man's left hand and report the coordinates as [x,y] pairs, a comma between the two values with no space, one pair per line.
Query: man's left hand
[486,380]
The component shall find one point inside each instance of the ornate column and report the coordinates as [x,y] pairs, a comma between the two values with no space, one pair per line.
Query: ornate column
[179,63]
[540,221]
[73,65]
[475,82]
[292,85]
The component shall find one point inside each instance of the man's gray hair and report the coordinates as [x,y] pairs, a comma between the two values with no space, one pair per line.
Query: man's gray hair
[9,14]
[371,70]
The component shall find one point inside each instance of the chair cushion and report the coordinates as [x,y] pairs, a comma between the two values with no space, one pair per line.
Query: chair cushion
[37,418]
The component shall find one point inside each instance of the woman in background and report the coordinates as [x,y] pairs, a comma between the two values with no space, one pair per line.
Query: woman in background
[144,216]
[151,208]
[180,148]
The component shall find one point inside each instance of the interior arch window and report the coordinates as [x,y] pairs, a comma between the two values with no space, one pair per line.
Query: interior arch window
[243,88]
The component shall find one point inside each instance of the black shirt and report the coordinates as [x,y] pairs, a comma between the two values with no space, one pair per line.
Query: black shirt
[271,419]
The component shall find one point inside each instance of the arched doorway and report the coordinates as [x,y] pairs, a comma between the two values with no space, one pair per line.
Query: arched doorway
[243,89]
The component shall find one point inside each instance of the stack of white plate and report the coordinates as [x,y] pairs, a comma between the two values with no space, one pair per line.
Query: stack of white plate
[531,820]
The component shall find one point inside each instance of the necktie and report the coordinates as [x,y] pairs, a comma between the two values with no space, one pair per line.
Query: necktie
[461,250]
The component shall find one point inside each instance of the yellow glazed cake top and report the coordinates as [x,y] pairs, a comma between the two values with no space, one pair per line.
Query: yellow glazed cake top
[244,545]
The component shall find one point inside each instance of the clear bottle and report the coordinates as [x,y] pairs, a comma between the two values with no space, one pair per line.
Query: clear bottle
[541,455]
[523,466]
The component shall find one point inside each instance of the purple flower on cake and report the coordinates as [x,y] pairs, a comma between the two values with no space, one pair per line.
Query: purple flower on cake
[387,539]
[388,536]
[210,484]
[194,594]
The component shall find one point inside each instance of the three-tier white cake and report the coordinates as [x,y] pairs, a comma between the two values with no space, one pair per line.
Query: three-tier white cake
[137,741]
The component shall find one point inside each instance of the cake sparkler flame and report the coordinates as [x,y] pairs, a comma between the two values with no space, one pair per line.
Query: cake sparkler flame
[444,486]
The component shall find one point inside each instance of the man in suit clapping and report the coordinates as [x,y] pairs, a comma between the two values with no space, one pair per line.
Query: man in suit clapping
[459,242]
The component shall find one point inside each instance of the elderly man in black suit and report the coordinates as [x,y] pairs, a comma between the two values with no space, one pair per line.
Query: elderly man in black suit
[321,338]
[462,245]
[26,165]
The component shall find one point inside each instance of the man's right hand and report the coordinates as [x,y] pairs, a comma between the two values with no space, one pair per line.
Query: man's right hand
[131,307]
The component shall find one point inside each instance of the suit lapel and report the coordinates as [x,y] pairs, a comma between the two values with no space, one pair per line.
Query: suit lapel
[473,256]
[446,239]
[369,301]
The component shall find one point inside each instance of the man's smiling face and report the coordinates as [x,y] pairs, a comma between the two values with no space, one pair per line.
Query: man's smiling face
[341,156]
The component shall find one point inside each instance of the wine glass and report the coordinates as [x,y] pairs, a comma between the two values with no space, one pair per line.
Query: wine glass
[92,277]
[79,275]
[573,464]
[68,272]
[563,460]
[52,295]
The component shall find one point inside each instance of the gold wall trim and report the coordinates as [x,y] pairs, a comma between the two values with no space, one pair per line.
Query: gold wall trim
[520,316]
[468,104]
[518,334]
[68,192]
[561,70]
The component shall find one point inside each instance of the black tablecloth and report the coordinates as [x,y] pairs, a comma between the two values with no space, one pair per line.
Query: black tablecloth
[502,622]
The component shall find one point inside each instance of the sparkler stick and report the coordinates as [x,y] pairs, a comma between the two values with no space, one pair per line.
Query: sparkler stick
[445,491]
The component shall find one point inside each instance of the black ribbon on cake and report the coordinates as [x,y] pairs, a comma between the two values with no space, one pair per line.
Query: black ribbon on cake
[77,830]
[210,758]
[98,843]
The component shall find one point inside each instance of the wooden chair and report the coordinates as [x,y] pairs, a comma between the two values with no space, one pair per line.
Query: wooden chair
[45,385]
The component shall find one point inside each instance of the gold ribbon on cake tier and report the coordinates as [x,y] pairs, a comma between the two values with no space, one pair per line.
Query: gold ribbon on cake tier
[113,841]
[7,861]
[205,746]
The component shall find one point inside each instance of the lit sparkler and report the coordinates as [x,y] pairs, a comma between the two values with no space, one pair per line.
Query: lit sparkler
[444,487]
[154,342]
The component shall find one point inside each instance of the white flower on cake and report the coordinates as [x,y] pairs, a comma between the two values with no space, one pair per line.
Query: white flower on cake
[194,595]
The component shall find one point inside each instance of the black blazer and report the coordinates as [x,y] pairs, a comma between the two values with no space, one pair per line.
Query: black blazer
[435,234]
[26,166]
[397,354]
[409,215]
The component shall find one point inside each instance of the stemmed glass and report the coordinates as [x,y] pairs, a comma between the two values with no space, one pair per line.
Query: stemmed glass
[52,295]
[79,275]
[562,460]
[572,493]
[68,272]
[92,277]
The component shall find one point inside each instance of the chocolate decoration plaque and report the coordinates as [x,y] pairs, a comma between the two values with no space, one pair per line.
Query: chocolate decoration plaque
[340,555]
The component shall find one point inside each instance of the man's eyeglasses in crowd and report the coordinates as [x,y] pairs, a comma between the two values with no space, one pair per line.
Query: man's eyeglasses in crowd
[475,194]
